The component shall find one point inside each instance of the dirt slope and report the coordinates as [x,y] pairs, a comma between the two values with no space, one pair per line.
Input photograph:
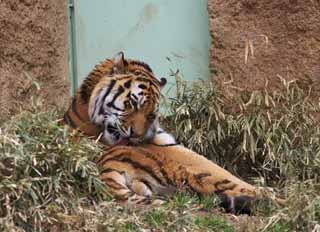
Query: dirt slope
[258,40]
[33,42]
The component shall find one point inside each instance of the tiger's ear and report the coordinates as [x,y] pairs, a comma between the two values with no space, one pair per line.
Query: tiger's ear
[119,63]
[163,82]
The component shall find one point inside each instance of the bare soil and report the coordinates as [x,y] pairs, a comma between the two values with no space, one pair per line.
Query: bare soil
[33,48]
[256,42]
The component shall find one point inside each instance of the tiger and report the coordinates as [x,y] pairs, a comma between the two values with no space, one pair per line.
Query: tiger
[119,100]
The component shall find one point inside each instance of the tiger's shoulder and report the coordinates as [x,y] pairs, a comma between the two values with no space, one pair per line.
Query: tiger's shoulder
[77,116]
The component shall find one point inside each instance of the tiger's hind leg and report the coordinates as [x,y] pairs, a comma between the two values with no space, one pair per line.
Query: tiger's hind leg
[123,188]
[116,183]
[130,174]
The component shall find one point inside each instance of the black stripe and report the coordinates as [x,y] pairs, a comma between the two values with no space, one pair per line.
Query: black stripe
[132,101]
[232,187]
[111,105]
[110,87]
[109,151]
[127,84]
[192,189]
[68,120]
[220,188]
[202,175]
[146,200]
[147,169]
[165,145]
[95,107]
[74,108]
[100,158]
[110,128]
[119,157]
[160,165]
[113,113]
[120,128]
[148,80]
[119,92]
[137,165]
[134,96]
[156,90]
[166,176]
[108,170]
[144,73]
[142,86]
[111,183]
[198,177]
[145,182]
[140,63]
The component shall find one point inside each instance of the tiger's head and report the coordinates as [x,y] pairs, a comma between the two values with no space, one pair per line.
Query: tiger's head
[126,102]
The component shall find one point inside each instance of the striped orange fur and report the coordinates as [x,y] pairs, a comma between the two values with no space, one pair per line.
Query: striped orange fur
[151,170]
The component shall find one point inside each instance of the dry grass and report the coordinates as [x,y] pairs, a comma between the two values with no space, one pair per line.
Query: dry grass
[271,138]
[48,180]
[43,171]
[276,135]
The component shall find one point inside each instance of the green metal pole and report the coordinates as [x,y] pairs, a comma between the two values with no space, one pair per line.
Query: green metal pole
[72,48]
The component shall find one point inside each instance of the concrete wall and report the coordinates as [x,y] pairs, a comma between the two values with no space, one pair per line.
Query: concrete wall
[154,31]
